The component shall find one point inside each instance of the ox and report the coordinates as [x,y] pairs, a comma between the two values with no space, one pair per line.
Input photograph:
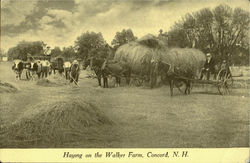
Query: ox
[18,68]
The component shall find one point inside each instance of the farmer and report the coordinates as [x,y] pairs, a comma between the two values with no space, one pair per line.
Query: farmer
[45,68]
[39,68]
[66,67]
[74,72]
[208,66]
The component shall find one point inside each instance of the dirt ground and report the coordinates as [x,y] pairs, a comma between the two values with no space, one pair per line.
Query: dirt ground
[142,117]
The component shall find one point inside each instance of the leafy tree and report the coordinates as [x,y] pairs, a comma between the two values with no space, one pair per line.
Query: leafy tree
[123,37]
[23,48]
[69,52]
[88,44]
[177,36]
[218,31]
[56,52]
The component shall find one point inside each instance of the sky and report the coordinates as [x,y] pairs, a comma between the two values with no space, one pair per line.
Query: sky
[60,22]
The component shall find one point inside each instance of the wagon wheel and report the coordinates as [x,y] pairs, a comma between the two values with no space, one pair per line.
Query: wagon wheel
[225,82]
[138,82]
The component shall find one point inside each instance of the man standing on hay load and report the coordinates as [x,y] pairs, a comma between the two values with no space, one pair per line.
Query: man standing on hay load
[208,66]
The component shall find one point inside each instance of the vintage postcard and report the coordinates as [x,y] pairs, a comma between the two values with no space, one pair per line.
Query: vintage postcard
[124,81]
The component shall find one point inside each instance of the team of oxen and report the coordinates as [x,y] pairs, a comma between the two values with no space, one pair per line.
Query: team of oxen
[42,68]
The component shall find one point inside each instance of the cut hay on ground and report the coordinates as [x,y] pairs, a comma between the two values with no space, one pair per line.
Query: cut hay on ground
[7,87]
[52,81]
[56,123]
[46,83]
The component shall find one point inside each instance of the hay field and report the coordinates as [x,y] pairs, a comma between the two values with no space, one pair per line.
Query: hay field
[64,115]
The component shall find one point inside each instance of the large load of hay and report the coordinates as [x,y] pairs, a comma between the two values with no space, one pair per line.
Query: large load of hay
[151,41]
[140,54]
[143,53]
[54,124]
[134,55]
[184,61]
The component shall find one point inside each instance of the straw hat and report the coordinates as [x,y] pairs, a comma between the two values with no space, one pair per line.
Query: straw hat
[75,62]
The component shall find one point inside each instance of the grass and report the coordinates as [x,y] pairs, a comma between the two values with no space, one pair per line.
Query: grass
[142,117]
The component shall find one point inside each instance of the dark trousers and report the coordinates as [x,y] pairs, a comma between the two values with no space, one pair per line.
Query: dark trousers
[45,72]
[74,76]
[206,72]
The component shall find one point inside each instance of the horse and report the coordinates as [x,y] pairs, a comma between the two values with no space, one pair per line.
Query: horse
[57,64]
[18,68]
[169,74]
[116,69]
[60,65]
[96,64]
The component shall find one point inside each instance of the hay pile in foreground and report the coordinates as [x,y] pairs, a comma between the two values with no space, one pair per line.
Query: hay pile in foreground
[7,87]
[54,124]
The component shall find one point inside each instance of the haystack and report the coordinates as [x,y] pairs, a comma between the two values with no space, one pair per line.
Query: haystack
[55,124]
[7,87]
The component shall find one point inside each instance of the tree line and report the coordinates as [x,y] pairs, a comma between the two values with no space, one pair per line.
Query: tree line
[222,31]
[88,44]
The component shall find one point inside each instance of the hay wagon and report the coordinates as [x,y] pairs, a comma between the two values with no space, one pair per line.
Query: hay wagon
[150,56]
[223,81]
